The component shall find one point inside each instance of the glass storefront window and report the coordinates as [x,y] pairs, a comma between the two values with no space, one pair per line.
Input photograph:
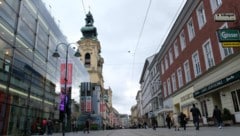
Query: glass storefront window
[42,34]
[25,31]
[36,90]
[40,47]
[51,69]
[5,56]
[24,48]
[52,43]
[28,16]
[8,14]
[6,32]
[236,98]
[41,71]
[14,4]
[40,60]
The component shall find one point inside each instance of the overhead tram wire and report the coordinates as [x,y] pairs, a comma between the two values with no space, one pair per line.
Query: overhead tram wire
[84,10]
[140,35]
[169,27]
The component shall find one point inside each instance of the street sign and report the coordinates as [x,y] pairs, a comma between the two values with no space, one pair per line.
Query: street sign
[230,44]
[225,17]
[228,35]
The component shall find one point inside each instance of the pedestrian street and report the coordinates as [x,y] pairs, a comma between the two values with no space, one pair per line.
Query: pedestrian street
[204,131]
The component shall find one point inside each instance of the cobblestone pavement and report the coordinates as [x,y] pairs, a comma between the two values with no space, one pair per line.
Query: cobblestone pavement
[204,131]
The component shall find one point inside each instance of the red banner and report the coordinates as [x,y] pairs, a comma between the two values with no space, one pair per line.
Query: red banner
[69,73]
[102,107]
[88,104]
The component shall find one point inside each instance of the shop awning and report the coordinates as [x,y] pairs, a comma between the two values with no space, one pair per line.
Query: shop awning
[161,111]
[217,84]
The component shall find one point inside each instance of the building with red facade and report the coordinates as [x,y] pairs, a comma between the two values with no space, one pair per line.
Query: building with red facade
[194,67]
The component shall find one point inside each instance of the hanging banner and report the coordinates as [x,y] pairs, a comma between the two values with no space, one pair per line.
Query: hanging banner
[88,104]
[102,107]
[69,73]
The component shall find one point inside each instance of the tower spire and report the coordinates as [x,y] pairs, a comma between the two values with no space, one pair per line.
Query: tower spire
[89,31]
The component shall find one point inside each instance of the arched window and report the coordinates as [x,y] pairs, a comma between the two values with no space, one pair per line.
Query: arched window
[87,60]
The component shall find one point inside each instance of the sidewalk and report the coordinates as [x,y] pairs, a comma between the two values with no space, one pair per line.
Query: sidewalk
[204,131]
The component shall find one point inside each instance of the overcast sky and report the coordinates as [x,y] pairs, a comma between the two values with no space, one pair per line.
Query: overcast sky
[125,45]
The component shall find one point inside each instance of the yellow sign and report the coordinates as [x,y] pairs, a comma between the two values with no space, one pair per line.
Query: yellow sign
[230,44]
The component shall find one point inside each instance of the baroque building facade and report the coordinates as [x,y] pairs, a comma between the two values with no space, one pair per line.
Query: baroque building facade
[90,48]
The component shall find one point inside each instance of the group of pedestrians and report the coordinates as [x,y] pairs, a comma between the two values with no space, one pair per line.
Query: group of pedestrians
[177,121]
[180,120]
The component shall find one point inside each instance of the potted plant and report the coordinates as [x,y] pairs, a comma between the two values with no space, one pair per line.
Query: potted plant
[227,117]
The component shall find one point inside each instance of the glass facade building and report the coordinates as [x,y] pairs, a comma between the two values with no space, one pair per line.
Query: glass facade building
[29,75]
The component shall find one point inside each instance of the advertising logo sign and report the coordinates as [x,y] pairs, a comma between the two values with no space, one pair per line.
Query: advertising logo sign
[228,35]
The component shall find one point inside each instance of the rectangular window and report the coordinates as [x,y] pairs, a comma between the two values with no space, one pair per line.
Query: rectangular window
[204,108]
[191,31]
[170,53]
[166,62]
[169,86]
[165,89]
[180,78]
[236,100]
[187,71]
[201,16]
[162,67]
[176,51]
[182,40]
[208,55]
[174,85]
[196,64]
[215,4]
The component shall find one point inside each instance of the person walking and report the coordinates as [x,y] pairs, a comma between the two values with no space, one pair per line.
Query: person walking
[196,116]
[154,124]
[44,125]
[49,126]
[175,121]
[87,126]
[145,125]
[183,120]
[169,121]
[217,115]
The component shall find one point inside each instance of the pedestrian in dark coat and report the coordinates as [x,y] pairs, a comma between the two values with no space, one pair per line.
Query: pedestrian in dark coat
[49,126]
[169,121]
[217,115]
[183,120]
[87,126]
[196,116]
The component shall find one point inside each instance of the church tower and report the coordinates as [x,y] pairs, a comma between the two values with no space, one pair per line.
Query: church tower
[90,50]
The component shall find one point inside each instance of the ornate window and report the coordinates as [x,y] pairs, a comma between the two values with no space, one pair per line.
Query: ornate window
[87,60]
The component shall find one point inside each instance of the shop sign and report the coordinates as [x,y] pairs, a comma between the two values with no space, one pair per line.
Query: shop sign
[225,17]
[230,44]
[217,84]
[186,97]
[228,35]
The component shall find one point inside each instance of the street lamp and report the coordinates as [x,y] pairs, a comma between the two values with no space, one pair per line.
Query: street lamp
[56,55]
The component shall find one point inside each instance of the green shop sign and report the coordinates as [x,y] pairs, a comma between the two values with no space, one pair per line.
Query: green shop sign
[228,35]
[217,84]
